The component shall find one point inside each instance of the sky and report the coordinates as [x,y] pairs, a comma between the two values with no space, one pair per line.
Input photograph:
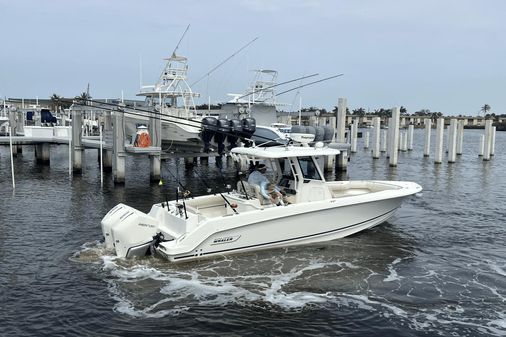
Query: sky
[441,55]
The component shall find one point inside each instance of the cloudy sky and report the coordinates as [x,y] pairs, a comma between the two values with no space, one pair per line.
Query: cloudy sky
[442,55]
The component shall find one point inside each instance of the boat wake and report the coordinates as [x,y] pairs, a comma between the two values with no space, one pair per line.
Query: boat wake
[310,278]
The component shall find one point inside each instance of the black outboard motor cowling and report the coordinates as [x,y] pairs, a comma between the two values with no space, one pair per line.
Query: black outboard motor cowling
[223,129]
[235,132]
[209,127]
[248,127]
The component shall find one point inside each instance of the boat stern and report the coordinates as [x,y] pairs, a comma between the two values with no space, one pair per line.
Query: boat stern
[128,231]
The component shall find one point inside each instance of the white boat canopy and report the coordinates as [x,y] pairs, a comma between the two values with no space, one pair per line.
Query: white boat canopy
[275,152]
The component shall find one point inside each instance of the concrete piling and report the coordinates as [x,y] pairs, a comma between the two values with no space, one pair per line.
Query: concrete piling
[366,140]
[395,136]
[411,131]
[389,137]
[376,140]
[155,131]
[119,154]
[488,140]
[384,135]
[108,136]
[426,147]
[460,137]
[481,149]
[452,141]
[492,142]
[439,141]
[342,158]
[354,134]
[77,145]
[42,153]
[403,141]
[13,131]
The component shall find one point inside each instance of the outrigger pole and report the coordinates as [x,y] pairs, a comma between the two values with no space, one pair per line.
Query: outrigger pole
[223,62]
[310,83]
[181,39]
[278,84]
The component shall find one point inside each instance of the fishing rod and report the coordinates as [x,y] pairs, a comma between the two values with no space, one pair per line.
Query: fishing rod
[220,167]
[186,191]
[223,62]
[278,84]
[182,194]
[240,174]
[221,194]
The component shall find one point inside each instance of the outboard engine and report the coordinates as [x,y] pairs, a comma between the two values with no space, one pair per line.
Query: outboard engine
[128,231]
[311,130]
[235,131]
[329,133]
[209,127]
[298,129]
[302,134]
[223,129]
[248,127]
[320,134]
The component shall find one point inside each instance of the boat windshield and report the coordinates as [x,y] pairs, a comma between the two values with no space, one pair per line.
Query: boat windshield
[308,167]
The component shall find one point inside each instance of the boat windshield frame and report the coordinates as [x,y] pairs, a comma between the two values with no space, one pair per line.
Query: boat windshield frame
[311,166]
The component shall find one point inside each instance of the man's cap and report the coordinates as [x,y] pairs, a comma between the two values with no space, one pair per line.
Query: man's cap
[261,166]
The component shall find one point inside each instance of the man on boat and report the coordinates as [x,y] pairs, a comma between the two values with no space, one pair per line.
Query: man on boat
[268,190]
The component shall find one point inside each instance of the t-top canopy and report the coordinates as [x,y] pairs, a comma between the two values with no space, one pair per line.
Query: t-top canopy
[274,152]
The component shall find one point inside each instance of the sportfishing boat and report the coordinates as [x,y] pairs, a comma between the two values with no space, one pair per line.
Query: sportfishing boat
[239,221]
[173,99]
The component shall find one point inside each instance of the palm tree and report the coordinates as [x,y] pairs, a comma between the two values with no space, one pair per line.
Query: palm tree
[485,109]
[84,97]
[55,102]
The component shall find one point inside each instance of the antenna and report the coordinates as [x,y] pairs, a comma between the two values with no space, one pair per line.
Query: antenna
[223,62]
[181,39]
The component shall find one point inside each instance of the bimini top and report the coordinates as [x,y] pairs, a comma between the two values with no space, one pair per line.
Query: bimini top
[274,152]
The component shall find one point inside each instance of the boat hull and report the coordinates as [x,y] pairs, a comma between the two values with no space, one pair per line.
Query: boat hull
[296,227]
